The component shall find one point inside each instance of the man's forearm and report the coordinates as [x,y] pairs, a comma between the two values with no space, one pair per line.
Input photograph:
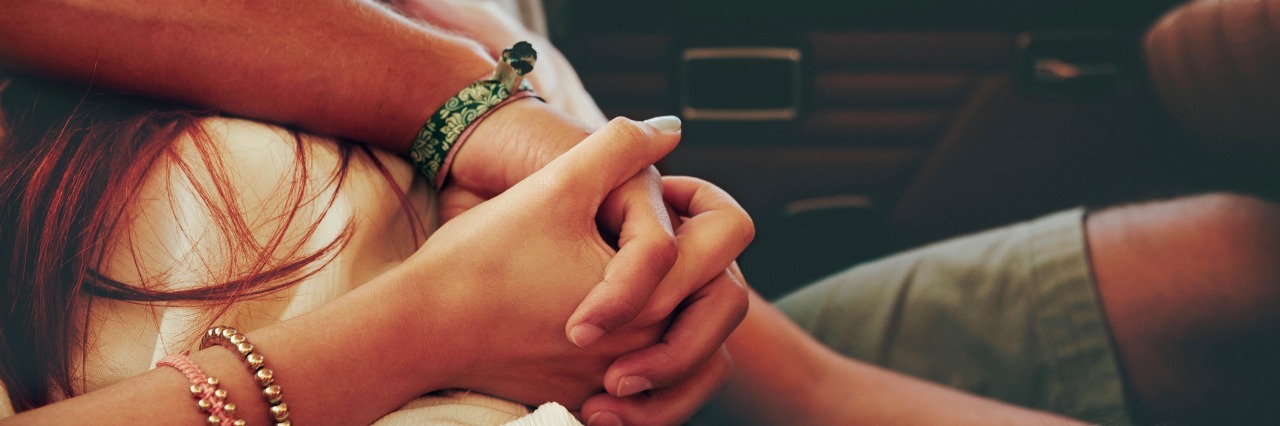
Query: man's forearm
[784,376]
[346,68]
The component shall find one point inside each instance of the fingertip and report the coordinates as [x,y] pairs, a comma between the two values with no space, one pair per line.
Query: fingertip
[661,133]
[603,311]
[583,335]
[666,123]
[672,404]
[631,385]
[696,335]
[604,418]
[611,155]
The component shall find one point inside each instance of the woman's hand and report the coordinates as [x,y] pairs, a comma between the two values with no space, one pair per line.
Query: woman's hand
[515,267]
[641,288]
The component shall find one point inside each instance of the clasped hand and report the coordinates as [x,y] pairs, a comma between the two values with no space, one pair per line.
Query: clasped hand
[517,265]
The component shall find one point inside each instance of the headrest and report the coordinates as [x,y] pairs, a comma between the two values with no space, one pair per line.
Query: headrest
[1216,66]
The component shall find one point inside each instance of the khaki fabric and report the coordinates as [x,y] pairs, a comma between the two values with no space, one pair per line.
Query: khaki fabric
[1011,313]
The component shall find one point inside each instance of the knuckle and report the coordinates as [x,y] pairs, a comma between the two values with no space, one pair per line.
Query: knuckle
[561,183]
[668,365]
[628,130]
[655,312]
[666,250]
[736,302]
[620,310]
[665,365]
[746,228]
[699,182]
[564,182]
[737,298]
[724,367]
[741,302]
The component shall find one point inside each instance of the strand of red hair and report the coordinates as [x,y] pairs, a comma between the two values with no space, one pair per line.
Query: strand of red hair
[68,156]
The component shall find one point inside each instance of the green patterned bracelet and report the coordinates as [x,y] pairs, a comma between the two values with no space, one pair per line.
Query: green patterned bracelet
[441,132]
[439,136]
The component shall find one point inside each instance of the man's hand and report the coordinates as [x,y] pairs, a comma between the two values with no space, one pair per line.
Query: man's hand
[672,379]
[493,27]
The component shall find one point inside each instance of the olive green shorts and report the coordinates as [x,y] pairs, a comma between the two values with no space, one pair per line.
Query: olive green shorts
[1012,314]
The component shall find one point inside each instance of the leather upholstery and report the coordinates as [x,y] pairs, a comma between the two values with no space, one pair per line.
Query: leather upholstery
[1216,65]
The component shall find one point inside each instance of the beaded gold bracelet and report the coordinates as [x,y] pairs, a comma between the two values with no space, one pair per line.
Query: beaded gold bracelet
[442,135]
[236,342]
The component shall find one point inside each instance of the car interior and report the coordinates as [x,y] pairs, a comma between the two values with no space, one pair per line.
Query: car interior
[850,130]
[853,129]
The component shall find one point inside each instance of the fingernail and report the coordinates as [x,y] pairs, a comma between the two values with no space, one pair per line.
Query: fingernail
[666,123]
[604,418]
[585,334]
[631,385]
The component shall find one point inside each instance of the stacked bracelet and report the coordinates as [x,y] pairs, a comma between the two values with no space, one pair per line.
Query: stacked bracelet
[433,149]
[236,342]
[209,398]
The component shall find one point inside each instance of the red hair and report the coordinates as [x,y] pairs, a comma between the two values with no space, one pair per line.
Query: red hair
[70,160]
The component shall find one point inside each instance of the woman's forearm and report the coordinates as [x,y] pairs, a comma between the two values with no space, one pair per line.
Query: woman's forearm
[476,307]
[346,68]
[349,362]
[784,376]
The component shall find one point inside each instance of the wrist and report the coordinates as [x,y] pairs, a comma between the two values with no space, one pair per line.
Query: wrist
[419,94]
[424,328]
[351,361]
[514,142]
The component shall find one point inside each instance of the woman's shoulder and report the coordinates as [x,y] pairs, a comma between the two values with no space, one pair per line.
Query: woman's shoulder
[230,187]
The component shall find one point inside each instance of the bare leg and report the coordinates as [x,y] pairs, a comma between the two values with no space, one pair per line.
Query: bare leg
[1191,288]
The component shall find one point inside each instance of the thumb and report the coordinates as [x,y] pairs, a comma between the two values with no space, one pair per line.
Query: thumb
[610,156]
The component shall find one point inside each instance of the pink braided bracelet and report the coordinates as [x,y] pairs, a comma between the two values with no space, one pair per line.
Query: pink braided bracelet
[205,390]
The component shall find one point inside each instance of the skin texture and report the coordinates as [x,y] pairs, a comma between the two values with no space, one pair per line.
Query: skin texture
[1188,286]
[706,212]
[495,29]
[1190,329]
[219,56]
[1190,290]
[260,59]
[694,297]
[784,376]
[468,344]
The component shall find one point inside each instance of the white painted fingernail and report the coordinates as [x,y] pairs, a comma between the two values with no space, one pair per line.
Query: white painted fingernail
[666,123]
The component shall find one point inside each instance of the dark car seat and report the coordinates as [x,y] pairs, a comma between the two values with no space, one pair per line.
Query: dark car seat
[1216,66]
